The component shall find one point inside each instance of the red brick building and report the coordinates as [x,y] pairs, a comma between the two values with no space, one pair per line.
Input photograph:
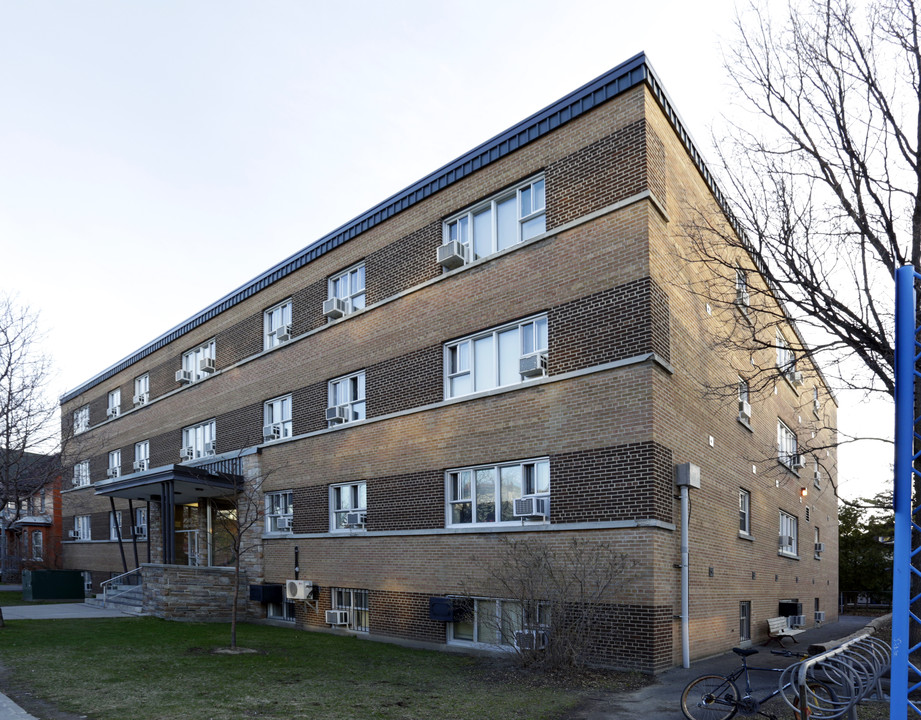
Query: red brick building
[511,348]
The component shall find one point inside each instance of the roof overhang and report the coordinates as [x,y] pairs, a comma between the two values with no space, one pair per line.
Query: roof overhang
[188,483]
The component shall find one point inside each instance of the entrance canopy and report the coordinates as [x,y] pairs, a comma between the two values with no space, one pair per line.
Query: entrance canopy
[187,484]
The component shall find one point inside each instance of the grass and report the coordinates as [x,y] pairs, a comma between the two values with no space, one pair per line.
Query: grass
[149,669]
[8,598]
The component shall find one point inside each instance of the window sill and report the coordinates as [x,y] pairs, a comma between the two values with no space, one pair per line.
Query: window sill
[494,525]
[746,536]
[744,423]
[816,557]
[789,556]
[788,468]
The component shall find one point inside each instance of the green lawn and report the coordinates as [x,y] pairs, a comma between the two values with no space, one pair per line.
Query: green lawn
[144,668]
[8,598]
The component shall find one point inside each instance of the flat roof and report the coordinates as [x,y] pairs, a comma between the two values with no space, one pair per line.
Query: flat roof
[625,76]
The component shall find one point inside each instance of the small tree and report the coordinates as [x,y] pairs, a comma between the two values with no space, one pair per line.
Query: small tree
[558,594]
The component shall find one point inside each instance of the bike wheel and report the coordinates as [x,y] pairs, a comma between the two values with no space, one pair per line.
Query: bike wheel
[821,702]
[710,697]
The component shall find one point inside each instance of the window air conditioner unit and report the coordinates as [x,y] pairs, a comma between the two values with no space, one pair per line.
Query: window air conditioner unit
[452,255]
[73,535]
[112,412]
[284,523]
[743,297]
[140,399]
[355,519]
[335,308]
[207,365]
[531,639]
[337,617]
[819,616]
[183,376]
[530,507]
[338,414]
[820,547]
[817,406]
[797,377]
[817,478]
[187,453]
[271,432]
[283,334]
[139,531]
[139,465]
[798,462]
[797,620]
[210,447]
[113,472]
[745,410]
[785,541]
[299,589]
[533,365]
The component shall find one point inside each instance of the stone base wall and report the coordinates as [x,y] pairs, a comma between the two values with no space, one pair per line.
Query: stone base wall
[204,594]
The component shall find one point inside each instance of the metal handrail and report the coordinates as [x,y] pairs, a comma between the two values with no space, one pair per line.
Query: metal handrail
[106,584]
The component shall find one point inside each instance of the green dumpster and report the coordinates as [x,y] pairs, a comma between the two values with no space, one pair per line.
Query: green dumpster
[52,585]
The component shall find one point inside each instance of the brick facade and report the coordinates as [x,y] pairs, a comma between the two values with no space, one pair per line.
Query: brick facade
[633,358]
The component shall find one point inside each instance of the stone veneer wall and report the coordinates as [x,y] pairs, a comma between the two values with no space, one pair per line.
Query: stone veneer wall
[182,592]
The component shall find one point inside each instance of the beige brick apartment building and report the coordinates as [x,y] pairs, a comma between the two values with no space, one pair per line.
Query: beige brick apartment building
[523,324]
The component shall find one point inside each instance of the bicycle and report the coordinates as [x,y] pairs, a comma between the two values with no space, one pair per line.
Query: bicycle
[716,697]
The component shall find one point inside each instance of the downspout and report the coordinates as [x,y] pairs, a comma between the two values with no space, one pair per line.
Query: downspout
[686,477]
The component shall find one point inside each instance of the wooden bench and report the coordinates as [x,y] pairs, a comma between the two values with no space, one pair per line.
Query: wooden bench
[778,630]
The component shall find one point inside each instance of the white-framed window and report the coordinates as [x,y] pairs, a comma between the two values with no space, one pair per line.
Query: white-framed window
[817,539]
[277,418]
[492,358]
[115,464]
[115,525]
[745,408]
[788,533]
[140,523]
[82,527]
[349,287]
[199,440]
[81,419]
[499,222]
[141,389]
[114,403]
[816,472]
[82,473]
[816,403]
[346,399]
[743,298]
[486,494]
[277,324]
[745,512]
[495,622]
[745,621]
[37,544]
[345,499]
[279,511]
[787,447]
[141,456]
[356,602]
[199,362]
[786,360]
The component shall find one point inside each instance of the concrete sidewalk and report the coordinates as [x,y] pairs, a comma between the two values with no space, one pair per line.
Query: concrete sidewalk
[662,701]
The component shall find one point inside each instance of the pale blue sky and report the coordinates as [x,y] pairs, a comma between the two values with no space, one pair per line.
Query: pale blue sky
[156,154]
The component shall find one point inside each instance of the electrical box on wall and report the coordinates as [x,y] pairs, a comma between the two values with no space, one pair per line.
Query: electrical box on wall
[688,475]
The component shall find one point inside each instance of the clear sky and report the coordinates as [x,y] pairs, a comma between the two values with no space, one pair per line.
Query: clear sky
[155,155]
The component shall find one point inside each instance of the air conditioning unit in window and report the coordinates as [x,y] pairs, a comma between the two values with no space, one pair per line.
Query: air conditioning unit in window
[816,406]
[530,507]
[210,447]
[785,541]
[299,589]
[531,639]
[797,621]
[338,414]
[451,255]
[140,399]
[797,378]
[283,334]
[112,412]
[335,308]
[819,616]
[745,410]
[113,472]
[355,519]
[207,365]
[187,453]
[819,548]
[139,465]
[799,462]
[139,531]
[337,617]
[73,535]
[271,432]
[743,298]
[533,365]
[183,376]
[283,523]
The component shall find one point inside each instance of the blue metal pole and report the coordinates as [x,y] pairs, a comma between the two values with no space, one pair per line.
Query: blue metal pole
[904,433]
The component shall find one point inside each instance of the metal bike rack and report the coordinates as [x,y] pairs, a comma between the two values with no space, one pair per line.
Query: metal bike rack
[853,671]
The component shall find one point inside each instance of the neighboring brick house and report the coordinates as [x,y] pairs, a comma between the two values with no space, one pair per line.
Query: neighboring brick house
[518,325]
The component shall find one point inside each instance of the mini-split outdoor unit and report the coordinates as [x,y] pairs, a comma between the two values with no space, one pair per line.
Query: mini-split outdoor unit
[271,432]
[183,376]
[338,414]
[451,255]
[530,507]
[299,589]
[335,308]
[355,519]
[533,365]
[531,639]
[207,365]
[337,617]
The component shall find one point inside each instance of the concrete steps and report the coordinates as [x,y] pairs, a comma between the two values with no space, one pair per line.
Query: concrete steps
[127,598]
